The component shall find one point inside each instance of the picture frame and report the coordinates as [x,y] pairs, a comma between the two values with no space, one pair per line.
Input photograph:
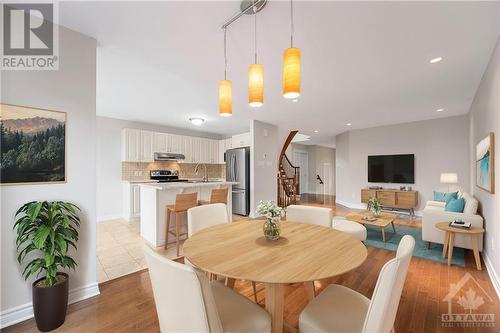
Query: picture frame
[485,163]
[34,145]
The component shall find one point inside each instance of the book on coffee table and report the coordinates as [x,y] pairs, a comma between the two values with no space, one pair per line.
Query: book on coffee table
[460,224]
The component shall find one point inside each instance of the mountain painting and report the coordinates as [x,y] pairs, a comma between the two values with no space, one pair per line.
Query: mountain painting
[32,145]
[485,164]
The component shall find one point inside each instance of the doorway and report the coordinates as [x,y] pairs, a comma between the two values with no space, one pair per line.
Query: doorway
[301,160]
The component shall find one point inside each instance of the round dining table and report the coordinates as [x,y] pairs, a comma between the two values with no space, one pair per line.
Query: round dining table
[304,253]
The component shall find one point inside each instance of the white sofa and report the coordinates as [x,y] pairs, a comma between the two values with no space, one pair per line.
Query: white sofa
[434,213]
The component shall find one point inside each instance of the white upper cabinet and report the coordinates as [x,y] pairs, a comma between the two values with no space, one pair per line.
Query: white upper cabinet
[160,143]
[241,140]
[131,145]
[147,146]
[140,146]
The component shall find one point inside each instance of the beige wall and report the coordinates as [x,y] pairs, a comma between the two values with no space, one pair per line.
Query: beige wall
[485,118]
[439,145]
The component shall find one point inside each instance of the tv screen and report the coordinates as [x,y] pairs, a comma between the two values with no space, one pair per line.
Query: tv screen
[391,169]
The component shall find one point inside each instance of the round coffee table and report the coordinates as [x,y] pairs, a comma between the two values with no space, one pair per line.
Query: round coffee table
[449,239]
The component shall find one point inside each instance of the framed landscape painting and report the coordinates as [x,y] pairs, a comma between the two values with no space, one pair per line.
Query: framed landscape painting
[485,163]
[32,145]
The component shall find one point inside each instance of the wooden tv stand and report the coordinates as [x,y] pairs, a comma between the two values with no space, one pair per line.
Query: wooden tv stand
[392,198]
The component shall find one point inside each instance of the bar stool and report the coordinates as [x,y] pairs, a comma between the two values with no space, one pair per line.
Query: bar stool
[218,195]
[182,203]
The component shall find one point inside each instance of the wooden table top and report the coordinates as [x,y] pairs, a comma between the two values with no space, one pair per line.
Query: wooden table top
[304,252]
[383,220]
[445,226]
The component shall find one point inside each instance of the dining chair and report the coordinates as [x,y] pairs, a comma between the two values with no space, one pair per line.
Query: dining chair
[182,203]
[340,309]
[311,215]
[186,301]
[205,216]
[217,195]
[352,228]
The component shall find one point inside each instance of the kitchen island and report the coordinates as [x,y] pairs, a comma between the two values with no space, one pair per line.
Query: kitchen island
[156,196]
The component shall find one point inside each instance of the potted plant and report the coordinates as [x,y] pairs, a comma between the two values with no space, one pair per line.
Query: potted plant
[374,206]
[45,230]
[273,214]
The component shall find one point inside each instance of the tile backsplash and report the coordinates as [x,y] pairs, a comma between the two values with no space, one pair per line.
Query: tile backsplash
[140,170]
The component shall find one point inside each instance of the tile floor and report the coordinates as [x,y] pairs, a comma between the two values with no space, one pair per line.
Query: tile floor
[119,249]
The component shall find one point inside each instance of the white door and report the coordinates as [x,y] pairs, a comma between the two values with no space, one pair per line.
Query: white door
[327,179]
[301,160]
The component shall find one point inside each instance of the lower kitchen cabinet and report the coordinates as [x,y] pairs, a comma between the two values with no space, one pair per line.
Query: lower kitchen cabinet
[131,201]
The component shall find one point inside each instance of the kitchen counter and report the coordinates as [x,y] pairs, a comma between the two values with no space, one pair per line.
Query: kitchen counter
[184,185]
[156,196]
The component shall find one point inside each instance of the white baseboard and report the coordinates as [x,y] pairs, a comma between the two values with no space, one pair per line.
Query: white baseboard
[24,312]
[103,218]
[363,206]
[492,273]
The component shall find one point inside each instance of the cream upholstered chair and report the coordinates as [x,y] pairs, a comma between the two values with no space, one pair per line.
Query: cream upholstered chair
[187,302]
[352,228]
[310,215]
[340,309]
[201,217]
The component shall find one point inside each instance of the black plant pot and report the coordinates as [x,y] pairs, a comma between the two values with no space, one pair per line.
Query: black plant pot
[50,304]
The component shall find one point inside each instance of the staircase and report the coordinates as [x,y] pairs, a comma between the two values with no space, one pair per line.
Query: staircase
[288,176]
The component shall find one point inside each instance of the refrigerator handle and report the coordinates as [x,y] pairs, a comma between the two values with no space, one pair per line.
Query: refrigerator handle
[234,166]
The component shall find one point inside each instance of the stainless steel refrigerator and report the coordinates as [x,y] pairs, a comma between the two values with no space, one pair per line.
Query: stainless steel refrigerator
[238,170]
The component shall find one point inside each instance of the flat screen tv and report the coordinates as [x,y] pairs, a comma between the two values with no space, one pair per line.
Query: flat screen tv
[391,169]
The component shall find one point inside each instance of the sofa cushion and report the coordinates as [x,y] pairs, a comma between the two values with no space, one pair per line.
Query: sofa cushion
[471,204]
[438,204]
[444,197]
[455,205]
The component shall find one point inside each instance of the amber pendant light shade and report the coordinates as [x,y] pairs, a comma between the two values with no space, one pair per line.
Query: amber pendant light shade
[225,98]
[291,73]
[255,85]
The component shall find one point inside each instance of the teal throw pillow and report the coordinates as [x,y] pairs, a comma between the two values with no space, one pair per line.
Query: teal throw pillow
[455,205]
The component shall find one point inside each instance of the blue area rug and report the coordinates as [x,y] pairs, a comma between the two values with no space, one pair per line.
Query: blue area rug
[374,239]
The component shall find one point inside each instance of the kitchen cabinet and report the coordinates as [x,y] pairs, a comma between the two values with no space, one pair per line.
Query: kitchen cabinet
[131,201]
[140,146]
[146,152]
[131,145]
[224,145]
[241,140]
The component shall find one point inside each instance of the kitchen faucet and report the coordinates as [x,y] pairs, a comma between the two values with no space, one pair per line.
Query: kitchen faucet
[205,178]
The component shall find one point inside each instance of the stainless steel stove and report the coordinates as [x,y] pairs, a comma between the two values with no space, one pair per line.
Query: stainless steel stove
[165,176]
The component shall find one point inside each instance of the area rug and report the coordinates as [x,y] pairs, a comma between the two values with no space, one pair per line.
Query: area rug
[374,239]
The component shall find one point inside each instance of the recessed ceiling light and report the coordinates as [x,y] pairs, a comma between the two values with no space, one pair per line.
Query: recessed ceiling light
[348,124]
[295,100]
[316,131]
[440,110]
[436,60]
[197,121]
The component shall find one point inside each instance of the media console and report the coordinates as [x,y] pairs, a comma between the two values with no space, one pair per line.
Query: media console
[393,198]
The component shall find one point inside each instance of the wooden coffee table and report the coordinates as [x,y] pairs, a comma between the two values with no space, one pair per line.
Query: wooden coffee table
[449,239]
[382,221]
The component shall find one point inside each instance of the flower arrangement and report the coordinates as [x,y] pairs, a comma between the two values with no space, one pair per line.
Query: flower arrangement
[374,206]
[273,213]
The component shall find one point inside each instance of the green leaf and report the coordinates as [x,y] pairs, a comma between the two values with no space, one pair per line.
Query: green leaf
[61,243]
[41,236]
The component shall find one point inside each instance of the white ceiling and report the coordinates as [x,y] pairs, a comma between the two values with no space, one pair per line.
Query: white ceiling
[365,63]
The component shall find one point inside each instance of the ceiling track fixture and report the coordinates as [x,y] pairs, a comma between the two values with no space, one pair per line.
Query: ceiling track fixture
[291,64]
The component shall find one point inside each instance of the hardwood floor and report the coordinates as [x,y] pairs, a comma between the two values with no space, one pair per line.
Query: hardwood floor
[127,305]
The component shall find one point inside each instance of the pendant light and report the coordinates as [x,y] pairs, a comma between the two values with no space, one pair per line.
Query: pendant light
[255,74]
[225,89]
[291,65]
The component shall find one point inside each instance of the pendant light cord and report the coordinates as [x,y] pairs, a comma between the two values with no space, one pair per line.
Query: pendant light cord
[291,23]
[255,29]
[225,55]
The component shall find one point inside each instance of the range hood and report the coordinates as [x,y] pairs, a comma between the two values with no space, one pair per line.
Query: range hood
[168,157]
